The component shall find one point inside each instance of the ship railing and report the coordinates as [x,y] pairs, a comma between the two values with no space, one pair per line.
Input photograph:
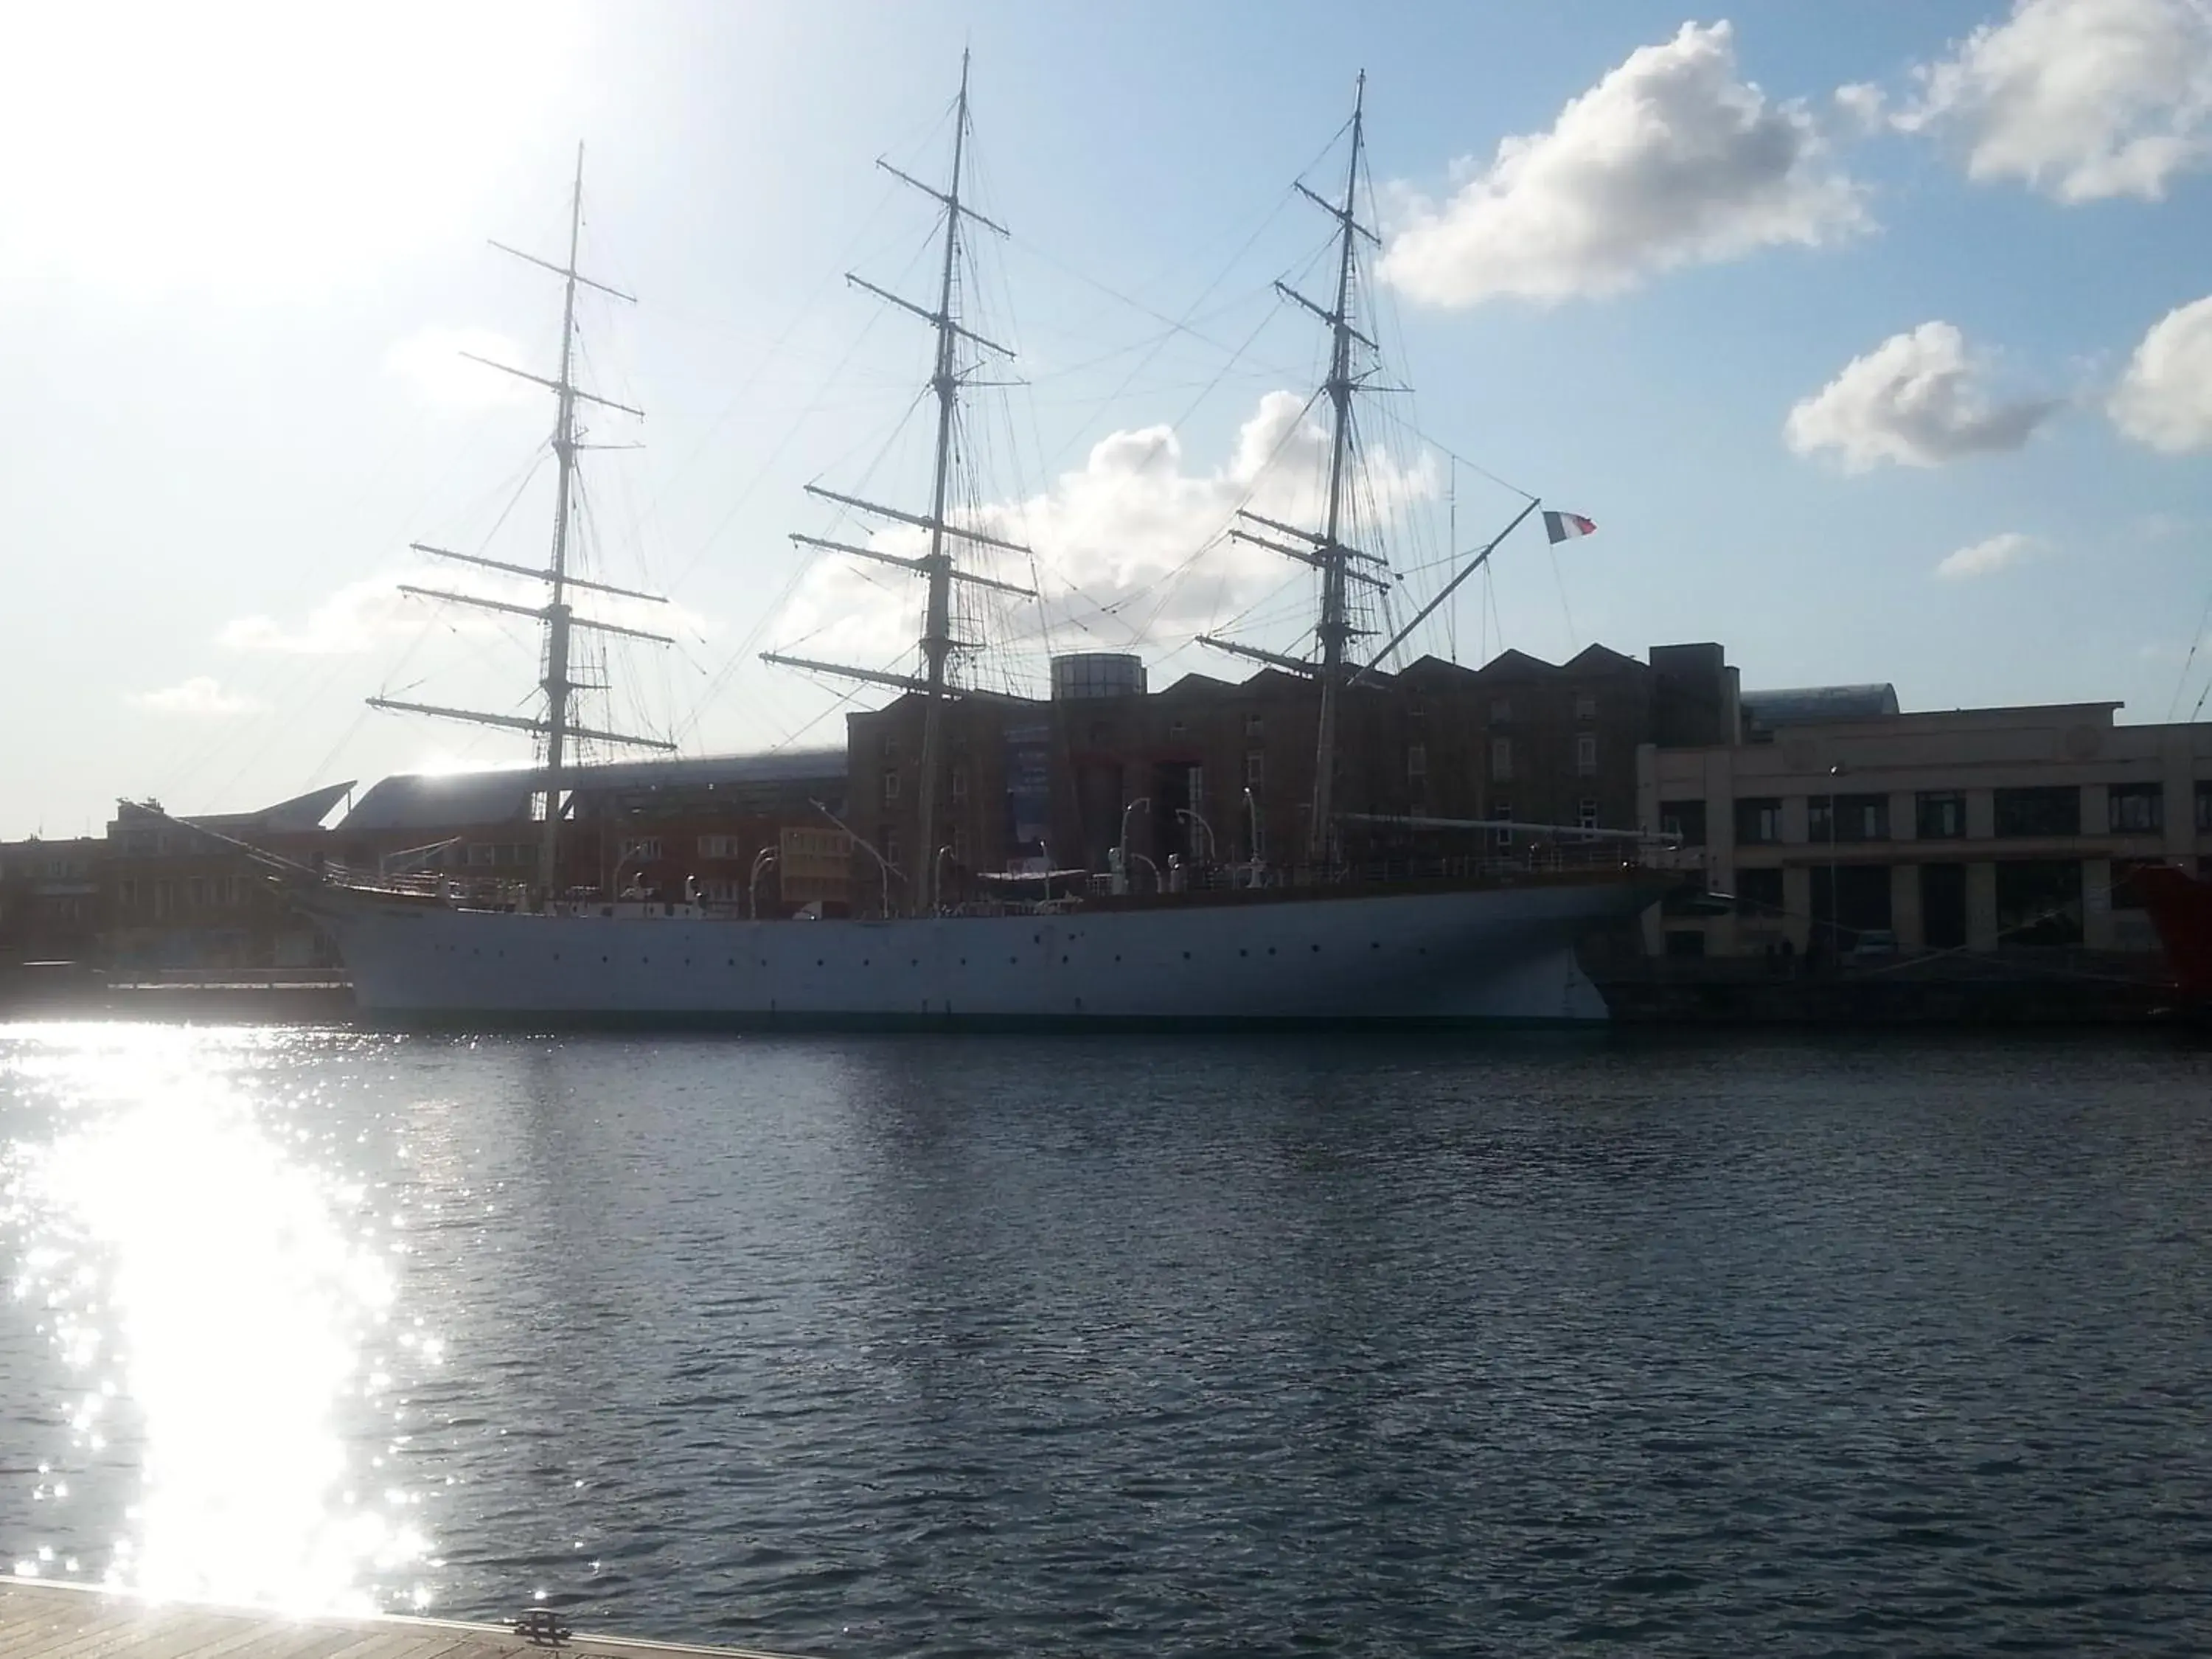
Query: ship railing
[1502,865]
[482,893]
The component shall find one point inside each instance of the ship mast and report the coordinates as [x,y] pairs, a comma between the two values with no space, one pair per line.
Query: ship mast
[558,726]
[1325,550]
[938,565]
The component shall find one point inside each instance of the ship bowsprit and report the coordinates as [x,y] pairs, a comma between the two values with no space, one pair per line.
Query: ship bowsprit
[1409,959]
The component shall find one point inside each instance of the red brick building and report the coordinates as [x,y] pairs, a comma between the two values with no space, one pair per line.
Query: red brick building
[1214,771]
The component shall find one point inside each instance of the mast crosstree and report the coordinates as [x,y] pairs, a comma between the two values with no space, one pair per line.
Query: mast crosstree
[938,566]
[558,726]
[1325,549]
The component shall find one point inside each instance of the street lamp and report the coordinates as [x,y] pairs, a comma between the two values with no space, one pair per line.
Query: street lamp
[763,861]
[1121,852]
[1183,814]
[614,881]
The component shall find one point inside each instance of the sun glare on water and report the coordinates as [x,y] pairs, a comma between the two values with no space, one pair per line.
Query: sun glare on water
[215,1294]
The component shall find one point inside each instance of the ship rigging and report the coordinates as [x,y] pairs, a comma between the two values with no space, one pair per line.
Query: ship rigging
[940,566]
[557,728]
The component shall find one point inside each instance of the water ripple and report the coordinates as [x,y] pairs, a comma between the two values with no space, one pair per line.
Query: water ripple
[1110,1348]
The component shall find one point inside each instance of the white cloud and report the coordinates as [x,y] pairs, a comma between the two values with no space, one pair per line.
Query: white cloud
[2079,98]
[432,365]
[1986,558]
[1111,536]
[2164,398]
[1863,106]
[1916,399]
[1671,160]
[355,619]
[199,697]
[367,615]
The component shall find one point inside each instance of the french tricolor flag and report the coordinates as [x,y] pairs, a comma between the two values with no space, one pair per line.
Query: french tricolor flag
[1565,526]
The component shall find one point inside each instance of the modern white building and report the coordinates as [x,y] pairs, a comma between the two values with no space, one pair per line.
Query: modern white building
[1837,815]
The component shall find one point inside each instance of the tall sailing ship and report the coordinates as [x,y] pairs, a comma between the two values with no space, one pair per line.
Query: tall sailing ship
[1309,944]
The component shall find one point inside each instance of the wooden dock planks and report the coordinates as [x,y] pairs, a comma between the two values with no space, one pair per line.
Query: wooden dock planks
[45,1620]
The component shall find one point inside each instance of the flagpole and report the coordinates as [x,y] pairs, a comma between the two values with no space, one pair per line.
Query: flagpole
[1450,588]
[1451,540]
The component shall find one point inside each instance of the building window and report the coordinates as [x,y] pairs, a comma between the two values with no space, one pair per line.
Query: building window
[1256,768]
[891,783]
[888,839]
[1501,711]
[1586,754]
[127,893]
[1503,833]
[1586,813]
[2054,810]
[1759,821]
[2135,808]
[890,746]
[2204,805]
[719,847]
[1501,759]
[195,892]
[960,783]
[1254,726]
[1759,892]
[1585,705]
[644,848]
[1683,820]
[1847,818]
[1178,728]
[1417,760]
[1940,815]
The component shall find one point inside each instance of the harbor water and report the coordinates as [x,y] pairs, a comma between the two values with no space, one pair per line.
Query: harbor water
[1109,1347]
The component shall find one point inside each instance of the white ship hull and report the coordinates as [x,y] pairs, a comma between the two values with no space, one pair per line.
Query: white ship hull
[1446,956]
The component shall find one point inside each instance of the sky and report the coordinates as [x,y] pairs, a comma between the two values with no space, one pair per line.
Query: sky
[1876,339]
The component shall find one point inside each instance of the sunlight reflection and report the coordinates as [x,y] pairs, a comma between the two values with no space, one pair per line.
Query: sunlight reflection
[211,1284]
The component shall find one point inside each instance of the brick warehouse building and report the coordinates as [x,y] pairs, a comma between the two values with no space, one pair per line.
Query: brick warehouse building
[644,826]
[1217,771]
